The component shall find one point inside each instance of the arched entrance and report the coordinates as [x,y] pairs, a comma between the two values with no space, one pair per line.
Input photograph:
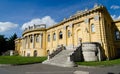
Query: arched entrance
[35,53]
[79,36]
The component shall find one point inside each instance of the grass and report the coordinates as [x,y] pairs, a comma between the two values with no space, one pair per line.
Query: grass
[102,63]
[17,60]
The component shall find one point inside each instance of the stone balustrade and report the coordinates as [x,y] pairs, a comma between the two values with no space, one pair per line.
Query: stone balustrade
[59,49]
[35,27]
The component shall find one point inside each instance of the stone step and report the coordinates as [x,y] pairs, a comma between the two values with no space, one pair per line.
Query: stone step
[61,59]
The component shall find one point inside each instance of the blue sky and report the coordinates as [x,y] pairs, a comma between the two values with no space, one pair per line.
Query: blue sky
[17,14]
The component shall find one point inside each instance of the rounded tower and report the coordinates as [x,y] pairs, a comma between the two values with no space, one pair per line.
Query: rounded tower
[33,41]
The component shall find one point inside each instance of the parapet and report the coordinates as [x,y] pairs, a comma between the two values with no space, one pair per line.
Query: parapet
[41,26]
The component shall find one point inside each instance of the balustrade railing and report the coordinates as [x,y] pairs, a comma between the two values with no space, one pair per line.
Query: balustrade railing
[58,50]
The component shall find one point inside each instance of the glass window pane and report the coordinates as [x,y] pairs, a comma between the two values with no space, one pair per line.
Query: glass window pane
[92,28]
[54,36]
[60,35]
[48,38]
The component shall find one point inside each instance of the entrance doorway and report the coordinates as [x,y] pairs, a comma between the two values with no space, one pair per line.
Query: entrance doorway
[35,53]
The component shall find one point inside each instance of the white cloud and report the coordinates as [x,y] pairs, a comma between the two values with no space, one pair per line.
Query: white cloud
[115,17]
[115,7]
[5,26]
[45,20]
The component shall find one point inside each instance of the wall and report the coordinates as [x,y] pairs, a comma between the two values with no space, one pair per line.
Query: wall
[79,27]
[117,41]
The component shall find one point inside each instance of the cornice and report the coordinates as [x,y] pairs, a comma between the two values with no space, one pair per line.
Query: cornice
[79,14]
[75,16]
[116,21]
[32,30]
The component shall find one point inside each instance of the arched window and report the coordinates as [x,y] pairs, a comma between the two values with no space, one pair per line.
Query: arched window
[54,36]
[117,35]
[35,53]
[37,38]
[69,33]
[92,28]
[31,39]
[48,38]
[60,35]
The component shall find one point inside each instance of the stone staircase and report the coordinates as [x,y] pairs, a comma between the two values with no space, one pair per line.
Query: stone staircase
[61,59]
[65,57]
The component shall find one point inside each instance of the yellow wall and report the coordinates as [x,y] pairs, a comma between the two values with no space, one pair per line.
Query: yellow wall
[117,42]
[79,26]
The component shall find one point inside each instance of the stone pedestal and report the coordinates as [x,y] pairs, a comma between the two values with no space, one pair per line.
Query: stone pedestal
[90,51]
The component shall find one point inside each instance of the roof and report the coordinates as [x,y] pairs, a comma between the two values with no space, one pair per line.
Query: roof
[79,14]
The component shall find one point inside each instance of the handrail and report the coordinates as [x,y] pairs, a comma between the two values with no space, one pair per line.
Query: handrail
[58,50]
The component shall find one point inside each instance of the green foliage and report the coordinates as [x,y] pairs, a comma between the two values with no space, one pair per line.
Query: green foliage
[101,63]
[3,44]
[18,60]
[7,43]
[11,42]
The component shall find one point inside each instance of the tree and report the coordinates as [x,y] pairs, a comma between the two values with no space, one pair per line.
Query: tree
[3,44]
[11,42]
[7,43]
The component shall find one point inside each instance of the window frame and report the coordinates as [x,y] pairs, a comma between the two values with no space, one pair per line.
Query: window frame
[37,38]
[48,39]
[60,35]
[92,28]
[31,39]
[54,36]
[117,36]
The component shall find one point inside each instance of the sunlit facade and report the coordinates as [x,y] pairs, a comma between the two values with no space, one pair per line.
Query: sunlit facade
[95,25]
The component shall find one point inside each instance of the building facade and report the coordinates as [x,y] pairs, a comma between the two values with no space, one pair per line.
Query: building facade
[95,25]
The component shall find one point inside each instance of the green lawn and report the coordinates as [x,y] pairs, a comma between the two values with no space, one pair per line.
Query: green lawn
[102,63]
[17,60]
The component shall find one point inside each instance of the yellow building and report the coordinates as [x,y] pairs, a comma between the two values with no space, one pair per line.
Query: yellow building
[95,25]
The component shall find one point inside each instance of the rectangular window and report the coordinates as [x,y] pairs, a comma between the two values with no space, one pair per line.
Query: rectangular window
[60,35]
[92,28]
[117,35]
[31,39]
[48,38]
[54,36]
[37,38]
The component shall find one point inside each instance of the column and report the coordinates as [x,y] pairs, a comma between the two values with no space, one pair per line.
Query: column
[28,42]
[57,37]
[33,38]
[72,31]
[41,35]
[65,35]
[23,43]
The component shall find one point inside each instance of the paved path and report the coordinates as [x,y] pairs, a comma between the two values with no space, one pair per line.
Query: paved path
[48,69]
